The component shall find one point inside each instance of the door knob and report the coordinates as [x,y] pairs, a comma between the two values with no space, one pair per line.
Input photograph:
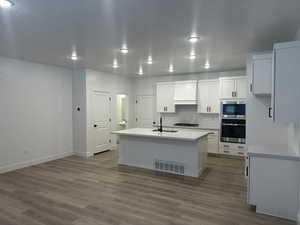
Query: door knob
[95,125]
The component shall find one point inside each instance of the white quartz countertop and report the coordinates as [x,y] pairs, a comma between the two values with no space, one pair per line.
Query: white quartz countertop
[260,151]
[191,135]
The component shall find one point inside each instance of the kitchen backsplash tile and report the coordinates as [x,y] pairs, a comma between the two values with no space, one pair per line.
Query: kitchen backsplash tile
[188,114]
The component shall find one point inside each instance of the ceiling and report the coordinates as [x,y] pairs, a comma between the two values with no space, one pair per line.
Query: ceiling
[47,31]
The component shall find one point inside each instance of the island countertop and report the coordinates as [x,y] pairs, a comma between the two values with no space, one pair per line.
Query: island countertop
[191,135]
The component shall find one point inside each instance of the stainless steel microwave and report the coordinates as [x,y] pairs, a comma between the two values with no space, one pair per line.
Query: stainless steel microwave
[233,109]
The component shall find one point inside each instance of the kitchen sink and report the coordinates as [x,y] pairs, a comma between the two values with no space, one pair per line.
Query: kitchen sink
[168,131]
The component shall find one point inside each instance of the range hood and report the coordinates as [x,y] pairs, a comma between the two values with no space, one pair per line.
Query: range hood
[185,92]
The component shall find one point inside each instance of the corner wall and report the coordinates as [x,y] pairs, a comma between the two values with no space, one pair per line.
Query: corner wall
[79,113]
[114,85]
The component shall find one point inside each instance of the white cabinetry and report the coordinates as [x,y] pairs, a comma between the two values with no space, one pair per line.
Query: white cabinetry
[261,74]
[208,96]
[232,149]
[213,142]
[286,81]
[233,87]
[185,92]
[165,97]
[273,185]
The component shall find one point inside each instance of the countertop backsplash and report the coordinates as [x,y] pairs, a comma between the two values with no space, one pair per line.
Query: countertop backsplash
[188,114]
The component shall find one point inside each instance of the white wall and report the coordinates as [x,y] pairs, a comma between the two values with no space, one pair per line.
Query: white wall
[295,135]
[36,113]
[79,117]
[147,86]
[113,84]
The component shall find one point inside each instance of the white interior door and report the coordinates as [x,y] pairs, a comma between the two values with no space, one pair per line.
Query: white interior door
[101,121]
[144,111]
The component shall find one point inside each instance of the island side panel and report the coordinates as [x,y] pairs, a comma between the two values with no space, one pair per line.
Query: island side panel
[203,152]
[143,151]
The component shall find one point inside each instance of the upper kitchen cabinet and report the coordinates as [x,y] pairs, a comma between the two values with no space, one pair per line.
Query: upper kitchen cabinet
[286,82]
[233,87]
[208,96]
[185,92]
[261,83]
[165,97]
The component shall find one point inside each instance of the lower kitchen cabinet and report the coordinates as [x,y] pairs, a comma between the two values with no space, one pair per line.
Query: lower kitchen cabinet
[213,141]
[233,149]
[273,184]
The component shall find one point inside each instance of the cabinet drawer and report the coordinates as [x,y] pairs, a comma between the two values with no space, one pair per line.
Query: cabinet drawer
[232,152]
[233,147]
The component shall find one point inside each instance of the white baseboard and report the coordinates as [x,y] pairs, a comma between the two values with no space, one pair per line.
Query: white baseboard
[8,168]
[84,154]
[298,218]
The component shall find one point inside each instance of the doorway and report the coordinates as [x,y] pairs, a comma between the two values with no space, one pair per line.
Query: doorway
[145,111]
[122,112]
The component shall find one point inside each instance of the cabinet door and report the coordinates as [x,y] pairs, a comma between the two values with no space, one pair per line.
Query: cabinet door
[203,99]
[241,87]
[286,81]
[213,143]
[165,97]
[227,88]
[262,75]
[185,91]
[213,96]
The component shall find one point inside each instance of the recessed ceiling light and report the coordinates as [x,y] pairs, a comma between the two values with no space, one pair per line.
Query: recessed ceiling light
[171,68]
[141,72]
[74,57]
[207,65]
[192,55]
[150,61]
[6,4]
[115,64]
[193,39]
[124,49]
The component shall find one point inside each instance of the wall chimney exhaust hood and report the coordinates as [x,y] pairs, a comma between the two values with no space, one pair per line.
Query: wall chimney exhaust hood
[185,92]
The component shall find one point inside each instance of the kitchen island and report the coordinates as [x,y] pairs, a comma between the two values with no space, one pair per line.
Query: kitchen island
[171,151]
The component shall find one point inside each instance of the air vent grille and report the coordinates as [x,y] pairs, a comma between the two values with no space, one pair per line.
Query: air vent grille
[170,167]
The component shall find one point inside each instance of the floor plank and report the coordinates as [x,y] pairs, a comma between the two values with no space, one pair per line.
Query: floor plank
[77,191]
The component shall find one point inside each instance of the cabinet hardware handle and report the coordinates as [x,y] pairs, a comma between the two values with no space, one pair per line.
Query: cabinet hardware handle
[270,112]
[251,87]
[247,172]
[95,125]
[240,153]
[241,147]
[226,152]
[232,94]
